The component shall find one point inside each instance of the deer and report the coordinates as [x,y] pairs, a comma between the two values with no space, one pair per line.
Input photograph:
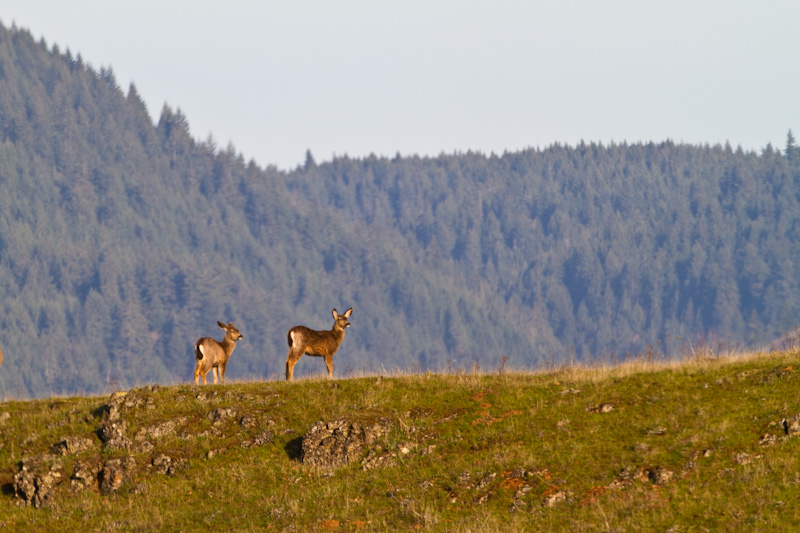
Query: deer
[212,354]
[306,341]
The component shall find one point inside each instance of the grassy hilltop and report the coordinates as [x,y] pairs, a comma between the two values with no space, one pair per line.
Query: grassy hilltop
[695,445]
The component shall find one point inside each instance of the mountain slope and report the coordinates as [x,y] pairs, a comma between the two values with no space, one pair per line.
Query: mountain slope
[123,241]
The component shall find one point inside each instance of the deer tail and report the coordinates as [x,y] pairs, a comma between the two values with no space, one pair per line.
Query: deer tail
[289,338]
[198,351]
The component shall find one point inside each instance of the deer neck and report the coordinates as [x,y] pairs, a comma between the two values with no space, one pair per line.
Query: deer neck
[228,345]
[338,333]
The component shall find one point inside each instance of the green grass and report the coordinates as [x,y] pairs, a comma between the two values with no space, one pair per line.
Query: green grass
[490,449]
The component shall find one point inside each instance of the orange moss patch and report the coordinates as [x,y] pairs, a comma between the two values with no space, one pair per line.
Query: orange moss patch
[590,496]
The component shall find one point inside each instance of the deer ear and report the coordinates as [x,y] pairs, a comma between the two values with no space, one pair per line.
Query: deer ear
[348,313]
[221,325]
[335,314]
[230,325]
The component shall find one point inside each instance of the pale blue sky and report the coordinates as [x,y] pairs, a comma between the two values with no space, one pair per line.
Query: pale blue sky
[425,76]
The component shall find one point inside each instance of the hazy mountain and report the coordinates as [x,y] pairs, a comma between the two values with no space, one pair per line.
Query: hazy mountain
[123,241]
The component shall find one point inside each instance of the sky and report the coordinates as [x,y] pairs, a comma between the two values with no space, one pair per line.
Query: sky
[425,77]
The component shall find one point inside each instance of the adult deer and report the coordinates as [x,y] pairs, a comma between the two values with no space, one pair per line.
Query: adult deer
[303,340]
[212,354]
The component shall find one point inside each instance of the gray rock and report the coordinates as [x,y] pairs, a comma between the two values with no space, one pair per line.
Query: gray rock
[219,416]
[340,442]
[248,421]
[161,463]
[157,431]
[660,475]
[115,473]
[72,445]
[84,475]
[261,440]
[556,498]
[791,425]
[34,483]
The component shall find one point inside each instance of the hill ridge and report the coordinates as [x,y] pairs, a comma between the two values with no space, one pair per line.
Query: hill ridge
[649,444]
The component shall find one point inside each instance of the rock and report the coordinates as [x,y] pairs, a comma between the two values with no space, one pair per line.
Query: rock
[660,475]
[768,439]
[265,438]
[337,443]
[791,425]
[248,421]
[219,416]
[115,405]
[406,447]
[556,498]
[161,463]
[72,445]
[4,417]
[112,433]
[156,431]
[213,453]
[85,475]
[34,483]
[419,412]
[377,458]
[628,475]
[115,473]
[602,408]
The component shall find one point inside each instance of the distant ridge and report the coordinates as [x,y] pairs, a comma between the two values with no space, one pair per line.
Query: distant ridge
[123,241]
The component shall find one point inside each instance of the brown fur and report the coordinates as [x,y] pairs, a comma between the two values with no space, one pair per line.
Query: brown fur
[212,354]
[303,340]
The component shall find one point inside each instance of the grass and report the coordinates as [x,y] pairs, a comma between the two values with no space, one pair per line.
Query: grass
[514,451]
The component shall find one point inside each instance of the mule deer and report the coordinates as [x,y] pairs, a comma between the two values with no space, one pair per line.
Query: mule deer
[212,354]
[303,340]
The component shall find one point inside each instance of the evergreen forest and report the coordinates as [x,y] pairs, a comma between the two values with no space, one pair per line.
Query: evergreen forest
[123,239]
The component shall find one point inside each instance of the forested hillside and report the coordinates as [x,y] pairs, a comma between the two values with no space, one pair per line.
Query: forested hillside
[123,241]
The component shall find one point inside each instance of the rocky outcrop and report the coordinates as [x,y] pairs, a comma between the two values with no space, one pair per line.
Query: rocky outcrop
[166,465]
[35,482]
[334,444]
[115,473]
[72,445]
[112,433]
[162,429]
[85,475]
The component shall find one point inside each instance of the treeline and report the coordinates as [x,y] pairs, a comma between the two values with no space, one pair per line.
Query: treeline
[123,241]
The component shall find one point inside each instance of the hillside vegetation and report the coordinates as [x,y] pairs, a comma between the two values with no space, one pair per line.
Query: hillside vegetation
[123,241]
[705,444]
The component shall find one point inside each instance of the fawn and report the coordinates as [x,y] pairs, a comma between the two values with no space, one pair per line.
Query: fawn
[303,340]
[212,354]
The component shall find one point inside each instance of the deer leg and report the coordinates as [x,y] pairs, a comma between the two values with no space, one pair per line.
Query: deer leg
[216,374]
[329,364]
[196,374]
[291,360]
[222,373]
